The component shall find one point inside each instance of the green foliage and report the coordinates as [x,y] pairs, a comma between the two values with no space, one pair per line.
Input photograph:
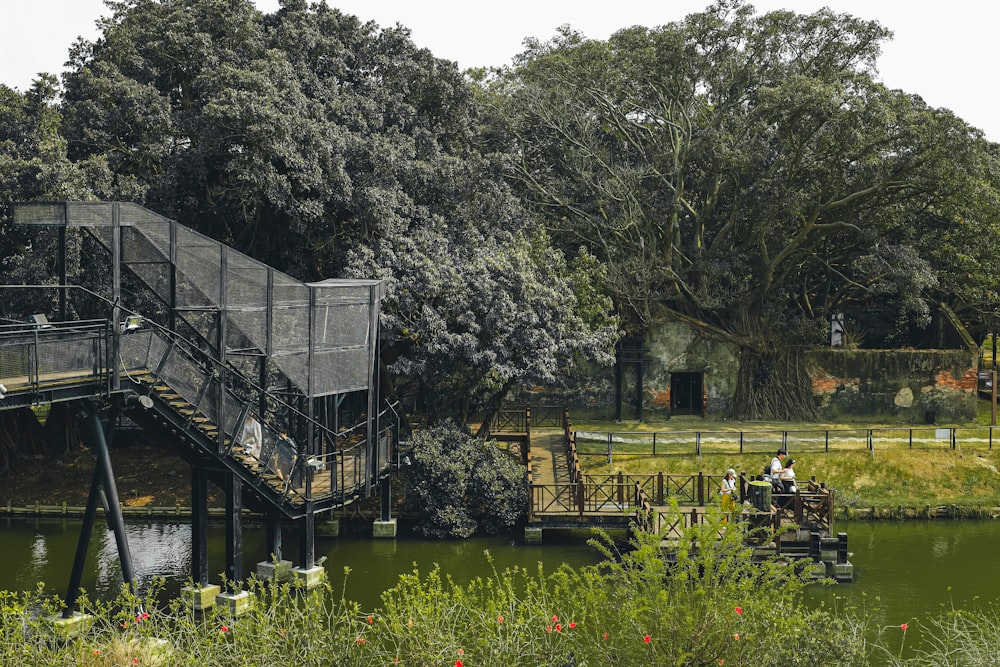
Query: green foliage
[459,485]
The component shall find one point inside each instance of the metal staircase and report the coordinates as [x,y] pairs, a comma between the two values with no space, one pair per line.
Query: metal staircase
[196,342]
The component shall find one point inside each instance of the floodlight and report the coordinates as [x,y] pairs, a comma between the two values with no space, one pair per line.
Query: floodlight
[41,321]
[131,323]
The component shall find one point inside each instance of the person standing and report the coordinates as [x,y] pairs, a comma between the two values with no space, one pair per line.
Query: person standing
[727,493]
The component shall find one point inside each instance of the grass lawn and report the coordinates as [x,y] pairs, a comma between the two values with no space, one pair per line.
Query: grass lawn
[896,472]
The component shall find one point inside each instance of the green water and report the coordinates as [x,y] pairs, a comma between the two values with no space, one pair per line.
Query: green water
[903,571]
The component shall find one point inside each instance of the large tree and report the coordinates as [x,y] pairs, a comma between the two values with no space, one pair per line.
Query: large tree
[329,147]
[747,172]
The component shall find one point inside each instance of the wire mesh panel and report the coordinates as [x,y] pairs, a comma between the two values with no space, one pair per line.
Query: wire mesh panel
[246,301]
[198,266]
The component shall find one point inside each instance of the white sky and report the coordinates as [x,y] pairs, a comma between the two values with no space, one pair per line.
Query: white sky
[946,52]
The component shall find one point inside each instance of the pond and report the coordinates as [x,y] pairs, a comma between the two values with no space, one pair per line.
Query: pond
[903,570]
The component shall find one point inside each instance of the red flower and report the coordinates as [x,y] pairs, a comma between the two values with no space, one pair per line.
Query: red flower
[903,626]
[97,652]
[138,619]
[721,661]
[739,610]
[605,636]
[145,615]
[458,663]
[370,620]
[499,619]
[135,661]
[572,624]
[548,628]
[647,639]
[558,627]
[225,628]
[461,651]
[555,619]
[359,641]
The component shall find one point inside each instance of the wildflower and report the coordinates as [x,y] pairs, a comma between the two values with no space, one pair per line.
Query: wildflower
[647,639]
[138,619]
[739,611]
[97,652]
[461,651]
[903,626]
[409,623]
[721,661]
[555,619]
[225,628]
[548,628]
[558,627]
[145,615]
[605,636]
[499,619]
[370,620]
[135,661]
[458,663]
[359,641]
[572,624]
[736,636]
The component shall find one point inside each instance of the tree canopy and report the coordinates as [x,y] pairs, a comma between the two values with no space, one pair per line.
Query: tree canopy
[747,172]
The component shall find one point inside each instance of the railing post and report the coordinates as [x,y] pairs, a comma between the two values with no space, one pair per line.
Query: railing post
[579,497]
[654,443]
[741,442]
[828,441]
[911,438]
[814,546]
[610,435]
[659,488]
[701,489]
[697,444]
[621,489]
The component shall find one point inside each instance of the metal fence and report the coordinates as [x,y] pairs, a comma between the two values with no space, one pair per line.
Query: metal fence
[698,443]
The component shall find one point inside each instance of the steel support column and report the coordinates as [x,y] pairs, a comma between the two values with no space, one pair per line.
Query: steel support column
[199,526]
[234,529]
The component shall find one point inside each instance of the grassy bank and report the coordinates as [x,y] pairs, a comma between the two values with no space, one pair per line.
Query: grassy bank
[895,476]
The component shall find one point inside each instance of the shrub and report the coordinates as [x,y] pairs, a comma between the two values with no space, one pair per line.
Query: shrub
[458,484]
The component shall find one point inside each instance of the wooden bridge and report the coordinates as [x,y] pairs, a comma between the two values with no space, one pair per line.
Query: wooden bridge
[562,496]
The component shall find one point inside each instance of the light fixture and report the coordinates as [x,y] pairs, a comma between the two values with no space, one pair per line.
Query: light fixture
[3,392]
[145,401]
[131,323]
[41,321]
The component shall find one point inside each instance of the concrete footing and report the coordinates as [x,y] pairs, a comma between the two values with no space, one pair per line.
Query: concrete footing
[200,598]
[308,577]
[532,535]
[75,625]
[328,528]
[235,604]
[384,529]
[843,572]
[274,572]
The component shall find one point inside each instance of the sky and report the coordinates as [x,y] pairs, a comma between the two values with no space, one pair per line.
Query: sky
[944,52]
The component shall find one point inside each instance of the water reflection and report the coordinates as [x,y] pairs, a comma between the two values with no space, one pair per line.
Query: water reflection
[903,571]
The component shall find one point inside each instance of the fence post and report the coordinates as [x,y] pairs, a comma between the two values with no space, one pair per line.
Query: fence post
[827,441]
[579,497]
[609,448]
[654,443]
[871,443]
[621,490]
[954,438]
[697,444]
[911,438]
[741,442]
[701,489]
[659,488]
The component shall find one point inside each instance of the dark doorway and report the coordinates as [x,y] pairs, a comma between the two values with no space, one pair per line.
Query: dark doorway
[686,397]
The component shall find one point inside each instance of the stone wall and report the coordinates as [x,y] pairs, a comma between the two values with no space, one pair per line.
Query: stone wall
[914,386]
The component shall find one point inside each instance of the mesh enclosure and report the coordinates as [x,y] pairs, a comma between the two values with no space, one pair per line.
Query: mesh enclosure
[198,262]
[335,330]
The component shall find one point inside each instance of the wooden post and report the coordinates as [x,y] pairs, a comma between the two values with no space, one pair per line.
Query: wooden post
[701,489]
[659,488]
[621,490]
